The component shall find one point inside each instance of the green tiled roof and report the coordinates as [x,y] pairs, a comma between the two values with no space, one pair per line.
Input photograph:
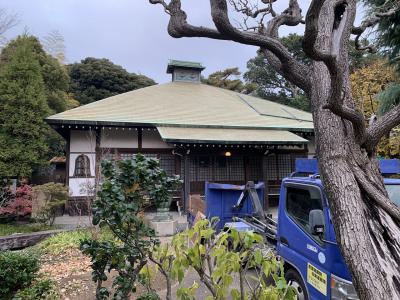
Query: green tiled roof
[183,64]
[182,104]
[228,136]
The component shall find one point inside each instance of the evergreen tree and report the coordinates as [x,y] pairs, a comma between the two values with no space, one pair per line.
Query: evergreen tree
[22,110]
[94,79]
[56,84]
[55,76]
[223,79]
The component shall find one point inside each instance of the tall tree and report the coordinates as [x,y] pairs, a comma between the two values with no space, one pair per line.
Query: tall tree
[55,80]
[270,83]
[273,86]
[366,222]
[23,108]
[94,79]
[223,79]
[55,75]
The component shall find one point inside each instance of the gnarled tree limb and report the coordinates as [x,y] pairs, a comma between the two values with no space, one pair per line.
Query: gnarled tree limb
[371,22]
[332,58]
[381,127]
[178,27]
[377,196]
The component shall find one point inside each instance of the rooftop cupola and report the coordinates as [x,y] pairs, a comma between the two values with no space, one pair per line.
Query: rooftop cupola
[185,71]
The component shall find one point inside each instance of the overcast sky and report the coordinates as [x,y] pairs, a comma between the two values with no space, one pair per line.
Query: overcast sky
[131,33]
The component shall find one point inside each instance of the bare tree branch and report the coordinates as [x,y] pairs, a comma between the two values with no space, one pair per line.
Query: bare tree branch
[371,22]
[381,127]
[54,45]
[7,21]
[178,27]
[244,7]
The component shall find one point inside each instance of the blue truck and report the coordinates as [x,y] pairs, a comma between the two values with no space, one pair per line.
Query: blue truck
[303,234]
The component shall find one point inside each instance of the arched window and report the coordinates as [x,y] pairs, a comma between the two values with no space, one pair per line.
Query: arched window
[82,166]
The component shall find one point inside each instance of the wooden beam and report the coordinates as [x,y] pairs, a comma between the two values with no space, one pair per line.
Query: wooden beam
[186,182]
[140,139]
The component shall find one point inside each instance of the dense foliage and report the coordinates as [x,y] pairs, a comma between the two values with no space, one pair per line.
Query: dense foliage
[55,76]
[370,84]
[19,203]
[128,187]
[43,289]
[388,39]
[17,270]
[94,79]
[223,79]
[388,30]
[23,102]
[270,84]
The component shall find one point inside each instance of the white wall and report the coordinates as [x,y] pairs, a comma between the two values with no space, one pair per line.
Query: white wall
[112,138]
[72,159]
[152,139]
[311,147]
[78,187]
[82,141]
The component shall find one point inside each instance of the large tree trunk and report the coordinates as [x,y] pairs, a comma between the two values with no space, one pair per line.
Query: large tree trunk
[368,237]
[361,211]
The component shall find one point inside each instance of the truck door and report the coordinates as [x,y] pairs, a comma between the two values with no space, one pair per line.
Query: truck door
[296,243]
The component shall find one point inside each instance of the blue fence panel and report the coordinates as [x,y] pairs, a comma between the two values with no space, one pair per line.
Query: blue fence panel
[390,166]
[310,166]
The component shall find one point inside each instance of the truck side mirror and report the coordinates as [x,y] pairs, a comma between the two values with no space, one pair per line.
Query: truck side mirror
[316,222]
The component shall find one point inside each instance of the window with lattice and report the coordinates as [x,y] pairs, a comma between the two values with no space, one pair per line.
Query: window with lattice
[82,166]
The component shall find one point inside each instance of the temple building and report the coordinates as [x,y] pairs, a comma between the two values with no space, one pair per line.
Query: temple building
[200,132]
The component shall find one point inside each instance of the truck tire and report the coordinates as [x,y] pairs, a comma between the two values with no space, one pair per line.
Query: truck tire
[294,279]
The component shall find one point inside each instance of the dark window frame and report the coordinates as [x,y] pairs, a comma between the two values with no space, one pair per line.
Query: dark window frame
[82,166]
[302,227]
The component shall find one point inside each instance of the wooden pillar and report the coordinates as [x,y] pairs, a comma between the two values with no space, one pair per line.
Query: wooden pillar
[67,157]
[186,181]
[98,156]
[246,168]
[140,139]
[264,179]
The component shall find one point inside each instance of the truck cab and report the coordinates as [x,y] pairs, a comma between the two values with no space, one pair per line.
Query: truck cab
[306,238]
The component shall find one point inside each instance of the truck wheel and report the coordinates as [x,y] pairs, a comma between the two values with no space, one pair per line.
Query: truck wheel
[294,279]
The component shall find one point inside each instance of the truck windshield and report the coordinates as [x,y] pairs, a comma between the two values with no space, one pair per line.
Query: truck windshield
[394,193]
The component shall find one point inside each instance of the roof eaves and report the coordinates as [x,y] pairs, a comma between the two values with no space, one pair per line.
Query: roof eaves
[190,141]
[133,124]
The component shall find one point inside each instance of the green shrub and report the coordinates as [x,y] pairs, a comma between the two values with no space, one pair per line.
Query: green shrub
[55,196]
[17,270]
[58,243]
[44,289]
